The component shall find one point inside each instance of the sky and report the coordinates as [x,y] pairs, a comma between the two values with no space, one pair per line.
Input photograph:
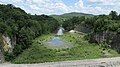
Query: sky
[58,7]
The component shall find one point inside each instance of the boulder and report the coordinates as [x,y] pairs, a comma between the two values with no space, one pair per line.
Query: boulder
[72,31]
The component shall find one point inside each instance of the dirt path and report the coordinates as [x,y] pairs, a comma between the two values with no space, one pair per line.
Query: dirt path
[104,62]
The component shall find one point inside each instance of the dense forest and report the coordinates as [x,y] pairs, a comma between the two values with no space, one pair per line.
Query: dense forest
[100,29]
[22,28]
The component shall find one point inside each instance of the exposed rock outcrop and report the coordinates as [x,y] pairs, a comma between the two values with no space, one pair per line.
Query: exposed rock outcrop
[111,38]
[102,37]
[1,50]
[83,28]
[1,57]
[7,45]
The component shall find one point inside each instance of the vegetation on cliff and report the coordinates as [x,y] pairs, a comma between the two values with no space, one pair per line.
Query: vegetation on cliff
[16,23]
[100,29]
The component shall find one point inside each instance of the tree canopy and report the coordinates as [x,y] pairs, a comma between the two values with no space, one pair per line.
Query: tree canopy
[15,22]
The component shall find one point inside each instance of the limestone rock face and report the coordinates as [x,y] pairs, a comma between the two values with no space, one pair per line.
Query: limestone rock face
[1,49]
[7,45]
[1,57]
[111,38]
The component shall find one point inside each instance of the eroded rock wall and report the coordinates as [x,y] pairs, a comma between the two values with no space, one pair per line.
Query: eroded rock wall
[111,38]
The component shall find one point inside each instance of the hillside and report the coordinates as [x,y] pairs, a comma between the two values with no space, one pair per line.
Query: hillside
[21,28]
[76,14]
[65,16]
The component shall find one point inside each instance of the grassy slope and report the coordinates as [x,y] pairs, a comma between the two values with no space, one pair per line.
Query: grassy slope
[38,53]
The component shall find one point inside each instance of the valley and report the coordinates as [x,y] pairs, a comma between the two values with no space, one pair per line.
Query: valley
[69,39]
[81,49]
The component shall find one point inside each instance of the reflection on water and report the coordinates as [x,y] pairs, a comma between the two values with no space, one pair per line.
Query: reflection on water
[56,41]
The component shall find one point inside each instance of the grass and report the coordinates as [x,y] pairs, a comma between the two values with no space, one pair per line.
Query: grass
[81,49]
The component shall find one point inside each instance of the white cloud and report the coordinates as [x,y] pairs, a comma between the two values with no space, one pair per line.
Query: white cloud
[16,1]
[1,3]
[48,6]
[100,0]
[59,7]
[79,4]
[105,5]
[34,7]
[104,2]
[94,0]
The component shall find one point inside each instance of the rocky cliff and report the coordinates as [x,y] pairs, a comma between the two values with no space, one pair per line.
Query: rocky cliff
[1,56]
[1,50]
[6,45]
[111,38]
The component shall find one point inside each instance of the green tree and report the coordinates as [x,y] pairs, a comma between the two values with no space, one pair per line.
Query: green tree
[3,27]
[113,15]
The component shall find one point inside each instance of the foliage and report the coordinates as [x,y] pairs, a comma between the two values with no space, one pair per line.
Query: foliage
[70,24]
[97,25]
[82,49]
[16,23]
[8,56]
